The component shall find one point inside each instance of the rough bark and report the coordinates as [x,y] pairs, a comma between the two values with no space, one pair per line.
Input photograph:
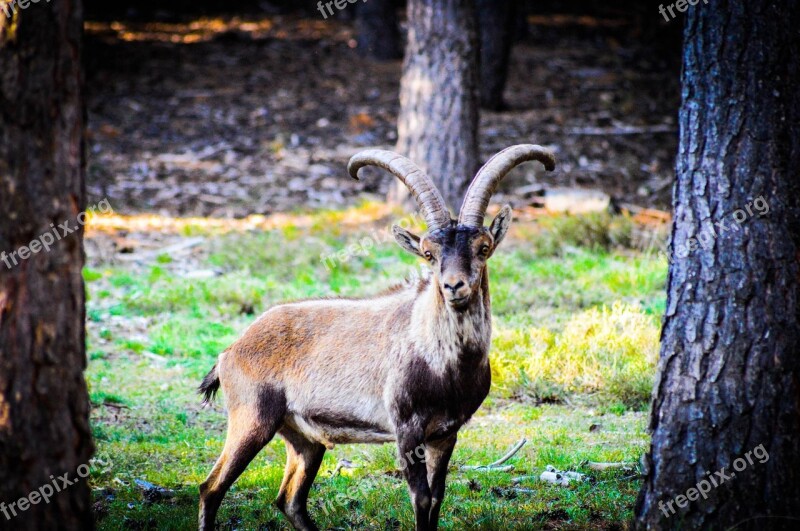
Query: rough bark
[378,30]
[438,122]
[44,407]
[497,22]
[729,372]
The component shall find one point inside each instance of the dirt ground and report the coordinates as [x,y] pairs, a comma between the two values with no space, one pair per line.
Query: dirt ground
[232,116]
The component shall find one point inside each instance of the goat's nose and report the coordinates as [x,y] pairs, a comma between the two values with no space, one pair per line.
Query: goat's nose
[454,287]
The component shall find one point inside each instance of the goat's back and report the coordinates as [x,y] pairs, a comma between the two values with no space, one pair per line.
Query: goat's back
[324,354]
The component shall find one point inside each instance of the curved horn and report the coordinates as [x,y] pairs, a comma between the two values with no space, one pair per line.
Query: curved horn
[489,176]
[422,189]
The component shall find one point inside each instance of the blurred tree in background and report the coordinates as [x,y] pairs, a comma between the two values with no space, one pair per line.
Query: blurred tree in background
[438,122]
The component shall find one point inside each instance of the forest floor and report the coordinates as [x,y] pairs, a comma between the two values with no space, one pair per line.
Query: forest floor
[230,116]
[576,316]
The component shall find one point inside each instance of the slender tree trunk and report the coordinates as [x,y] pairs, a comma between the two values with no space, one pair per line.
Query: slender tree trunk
[44,407]
[378,30]
[497,22]
[438,122]
[727,398]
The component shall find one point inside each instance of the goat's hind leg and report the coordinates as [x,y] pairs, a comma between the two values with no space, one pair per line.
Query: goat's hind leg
[303,459]
[248,432]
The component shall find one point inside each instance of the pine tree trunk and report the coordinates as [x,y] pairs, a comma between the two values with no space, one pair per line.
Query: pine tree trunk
[497,22]
[378,30]
[729,373]
[438,122]
[44,407]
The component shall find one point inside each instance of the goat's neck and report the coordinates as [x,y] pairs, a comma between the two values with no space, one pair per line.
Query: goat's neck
[444,336]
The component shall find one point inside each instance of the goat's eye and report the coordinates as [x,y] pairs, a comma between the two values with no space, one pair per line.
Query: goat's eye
[484,251]
[428,256]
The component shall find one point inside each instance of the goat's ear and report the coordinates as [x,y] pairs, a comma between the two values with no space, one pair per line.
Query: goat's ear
[407,240]
[500,225]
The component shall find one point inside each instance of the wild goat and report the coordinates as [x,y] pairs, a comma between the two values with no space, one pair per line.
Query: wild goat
[409,365]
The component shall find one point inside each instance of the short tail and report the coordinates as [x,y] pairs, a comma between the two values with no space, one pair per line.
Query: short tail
[210,386]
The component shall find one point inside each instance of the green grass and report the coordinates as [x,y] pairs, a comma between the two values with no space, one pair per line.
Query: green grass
[610,353]
[576,313]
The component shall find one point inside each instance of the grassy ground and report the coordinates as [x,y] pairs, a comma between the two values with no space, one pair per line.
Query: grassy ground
[576,329]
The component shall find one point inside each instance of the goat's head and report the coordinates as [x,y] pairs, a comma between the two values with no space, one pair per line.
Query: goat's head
[457,251]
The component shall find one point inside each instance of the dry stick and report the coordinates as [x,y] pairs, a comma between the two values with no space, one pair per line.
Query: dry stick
[623,130]
[486,468]
[343,463]
[496,465]
[608,466]
[154,357]
[169,250]
[115,406]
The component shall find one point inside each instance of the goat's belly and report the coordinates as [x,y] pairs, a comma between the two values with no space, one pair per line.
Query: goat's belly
[331,428]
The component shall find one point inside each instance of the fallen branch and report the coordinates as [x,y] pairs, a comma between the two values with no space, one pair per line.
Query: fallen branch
[623,130]
[115,406]
[485,468]
[170,250]
[496,466]
[609,466]
[343,463]
[154,357]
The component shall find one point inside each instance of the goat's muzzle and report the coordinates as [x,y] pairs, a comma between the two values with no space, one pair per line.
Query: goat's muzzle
[456,291]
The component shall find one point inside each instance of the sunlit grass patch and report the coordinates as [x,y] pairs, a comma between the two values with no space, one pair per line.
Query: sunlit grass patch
[610,352]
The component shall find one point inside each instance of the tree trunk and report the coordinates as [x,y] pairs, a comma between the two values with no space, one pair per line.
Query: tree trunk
[497,22]
[378,30]
[438,122]
[727,398]
[44,407]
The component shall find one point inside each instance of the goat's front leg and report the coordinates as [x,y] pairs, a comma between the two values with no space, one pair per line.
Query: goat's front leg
[437,459]
[410,444]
